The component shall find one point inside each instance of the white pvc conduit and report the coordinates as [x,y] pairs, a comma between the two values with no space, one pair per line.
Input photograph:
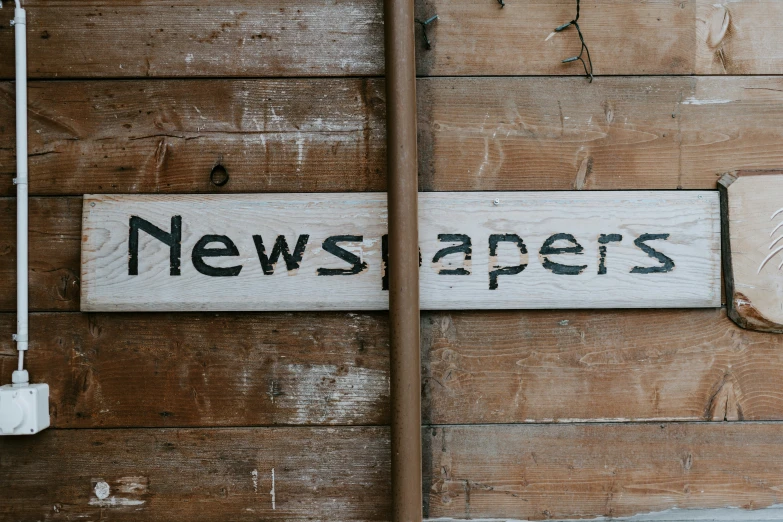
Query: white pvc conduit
[20,376]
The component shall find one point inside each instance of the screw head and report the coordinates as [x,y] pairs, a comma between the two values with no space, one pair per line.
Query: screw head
[496,202]
[92,204]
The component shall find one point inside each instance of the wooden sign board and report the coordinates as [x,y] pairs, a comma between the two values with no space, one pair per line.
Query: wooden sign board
[524,250]
[753,248]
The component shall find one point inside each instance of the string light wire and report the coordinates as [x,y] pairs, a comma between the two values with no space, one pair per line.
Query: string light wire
[588,65]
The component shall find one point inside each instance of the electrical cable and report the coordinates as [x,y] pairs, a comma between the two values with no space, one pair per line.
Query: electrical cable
[583,50]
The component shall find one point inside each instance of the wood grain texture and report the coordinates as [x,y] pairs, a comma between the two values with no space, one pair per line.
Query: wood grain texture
[54,241]
[521,472]
[165,136]
[578,471]
[198,475]
[572,366]
[515,250]
[729,514]
[159,370]
[667,37]
[242,38]
[735,38]
[112,370]
[751,230]
[619,133]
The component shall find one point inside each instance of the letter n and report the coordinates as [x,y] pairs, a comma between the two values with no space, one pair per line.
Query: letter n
[173,240]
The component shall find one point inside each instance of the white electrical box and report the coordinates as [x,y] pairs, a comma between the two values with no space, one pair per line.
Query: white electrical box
[24,410]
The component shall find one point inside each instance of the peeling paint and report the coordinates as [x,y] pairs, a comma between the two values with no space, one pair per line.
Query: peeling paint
[102,490]
[115,502]
[693,101]
[134,485]
[272,492]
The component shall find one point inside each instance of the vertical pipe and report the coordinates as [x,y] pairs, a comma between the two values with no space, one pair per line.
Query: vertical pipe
[403,260]
[20,26]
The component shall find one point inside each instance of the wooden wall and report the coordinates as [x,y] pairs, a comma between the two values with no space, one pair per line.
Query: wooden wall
[527,415]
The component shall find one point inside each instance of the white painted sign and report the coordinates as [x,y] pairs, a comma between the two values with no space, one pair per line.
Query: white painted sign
[523,250]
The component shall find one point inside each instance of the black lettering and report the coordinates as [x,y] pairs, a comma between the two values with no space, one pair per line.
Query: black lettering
[330,245]
[173,240]
[603,240]
[385,262]
[281,247]
[667,264]
[548,250]
[463,248]
[201,251]
[497,271]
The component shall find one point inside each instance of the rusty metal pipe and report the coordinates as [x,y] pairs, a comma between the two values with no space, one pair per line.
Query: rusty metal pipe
[402,169]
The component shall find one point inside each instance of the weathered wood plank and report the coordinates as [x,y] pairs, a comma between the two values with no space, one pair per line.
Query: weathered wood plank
[158,370]
[500,250]
[668,37]
[731,514]
[506,367]
[198,475]
[113,370]
[520,472]
[750,210]
[242,38]
[165,136]
[734,38]
[619,133]
[54,241]
[584,471]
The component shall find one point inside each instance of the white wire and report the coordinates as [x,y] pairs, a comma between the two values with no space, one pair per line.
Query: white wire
[22,217]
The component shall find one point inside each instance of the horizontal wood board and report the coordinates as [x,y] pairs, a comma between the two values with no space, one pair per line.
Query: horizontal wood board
[507,367]
[728,514]
[616,133]
[584,471]
[524,250]
[197,475]
[520,472]
[328,135]
[159,370]
[83,39]
[167,135]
